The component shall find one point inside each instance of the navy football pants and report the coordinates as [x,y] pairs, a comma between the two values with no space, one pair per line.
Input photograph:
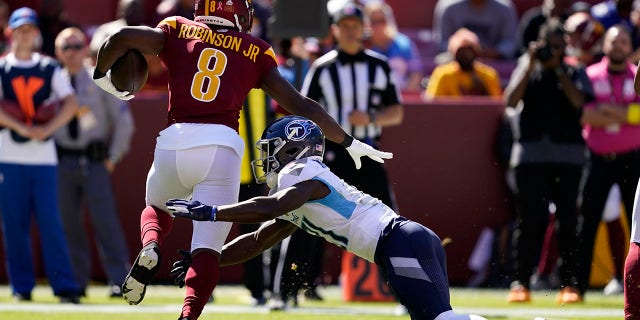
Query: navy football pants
[413,262]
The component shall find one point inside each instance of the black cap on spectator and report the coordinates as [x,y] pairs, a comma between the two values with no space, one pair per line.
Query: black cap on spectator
[349,10]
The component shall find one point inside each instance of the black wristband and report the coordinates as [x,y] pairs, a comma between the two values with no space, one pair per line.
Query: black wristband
[348,140]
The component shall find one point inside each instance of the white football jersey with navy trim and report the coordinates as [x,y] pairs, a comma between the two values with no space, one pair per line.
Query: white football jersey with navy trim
[346,217]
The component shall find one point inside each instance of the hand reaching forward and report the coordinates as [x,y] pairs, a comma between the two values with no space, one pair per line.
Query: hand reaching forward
[180,267]
[358,149]
[192,209]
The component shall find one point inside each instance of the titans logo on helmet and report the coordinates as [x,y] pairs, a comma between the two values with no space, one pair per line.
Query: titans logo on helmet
[297,130]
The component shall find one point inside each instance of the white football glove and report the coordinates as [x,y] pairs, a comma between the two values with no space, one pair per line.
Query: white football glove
[358,149]
[106,85]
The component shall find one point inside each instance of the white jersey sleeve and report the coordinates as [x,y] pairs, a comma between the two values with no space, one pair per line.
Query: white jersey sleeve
[346,217]
[300,170]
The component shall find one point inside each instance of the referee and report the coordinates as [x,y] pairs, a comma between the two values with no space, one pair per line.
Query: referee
[355,86]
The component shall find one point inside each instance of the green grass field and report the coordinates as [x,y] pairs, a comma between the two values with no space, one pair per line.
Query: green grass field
[232,303]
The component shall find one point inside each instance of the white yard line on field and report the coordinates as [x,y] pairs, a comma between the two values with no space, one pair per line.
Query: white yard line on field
[355,310]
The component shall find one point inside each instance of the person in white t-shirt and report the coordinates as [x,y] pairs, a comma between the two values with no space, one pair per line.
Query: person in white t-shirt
[30,86]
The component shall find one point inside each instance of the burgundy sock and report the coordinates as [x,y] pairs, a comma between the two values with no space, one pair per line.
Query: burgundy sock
[155,225]
[632,283]
[617,244]
[200,281]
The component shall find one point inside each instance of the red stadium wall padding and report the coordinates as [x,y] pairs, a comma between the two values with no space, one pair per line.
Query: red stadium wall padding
[445,173]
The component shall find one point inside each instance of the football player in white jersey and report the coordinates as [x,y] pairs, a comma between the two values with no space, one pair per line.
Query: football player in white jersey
[306,194]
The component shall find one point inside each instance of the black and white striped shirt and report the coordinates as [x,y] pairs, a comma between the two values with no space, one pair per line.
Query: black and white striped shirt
[343,83]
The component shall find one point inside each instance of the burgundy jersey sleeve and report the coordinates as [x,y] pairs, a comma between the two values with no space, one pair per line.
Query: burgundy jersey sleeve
[211,71]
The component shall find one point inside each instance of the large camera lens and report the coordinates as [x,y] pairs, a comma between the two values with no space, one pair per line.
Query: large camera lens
[544,53]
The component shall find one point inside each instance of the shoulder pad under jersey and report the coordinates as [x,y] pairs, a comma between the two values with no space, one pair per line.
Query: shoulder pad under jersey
[300,170]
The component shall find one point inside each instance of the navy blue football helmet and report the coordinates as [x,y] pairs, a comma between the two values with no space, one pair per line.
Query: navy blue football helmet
[286,139]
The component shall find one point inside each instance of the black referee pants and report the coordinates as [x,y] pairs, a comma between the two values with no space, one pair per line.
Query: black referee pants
[538,186]
[604,171]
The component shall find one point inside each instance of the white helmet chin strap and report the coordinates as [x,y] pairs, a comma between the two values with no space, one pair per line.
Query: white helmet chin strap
[303,152]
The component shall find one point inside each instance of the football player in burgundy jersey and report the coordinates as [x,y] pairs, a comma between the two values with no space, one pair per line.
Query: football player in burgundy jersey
[212,63]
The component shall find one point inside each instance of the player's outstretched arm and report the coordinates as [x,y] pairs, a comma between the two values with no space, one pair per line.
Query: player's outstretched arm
[254,210]
[240,249]
[290,99]
[249,245]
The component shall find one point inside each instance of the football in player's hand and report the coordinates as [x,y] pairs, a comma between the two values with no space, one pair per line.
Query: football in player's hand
[13,109]
[129,72]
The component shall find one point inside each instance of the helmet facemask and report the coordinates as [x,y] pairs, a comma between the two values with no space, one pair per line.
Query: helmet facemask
[267,165]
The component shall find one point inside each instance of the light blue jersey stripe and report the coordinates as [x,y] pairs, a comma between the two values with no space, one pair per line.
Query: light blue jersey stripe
[336,201]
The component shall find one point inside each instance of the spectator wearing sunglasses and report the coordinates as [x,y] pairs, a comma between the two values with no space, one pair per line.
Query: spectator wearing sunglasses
[401,52]
[89,148]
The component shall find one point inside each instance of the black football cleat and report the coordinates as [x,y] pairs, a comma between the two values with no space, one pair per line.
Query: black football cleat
[115,291]
[144,268]
[22,297]
[69,297]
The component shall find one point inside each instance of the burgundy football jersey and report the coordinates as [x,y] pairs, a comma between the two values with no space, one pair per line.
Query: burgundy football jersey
[211,71]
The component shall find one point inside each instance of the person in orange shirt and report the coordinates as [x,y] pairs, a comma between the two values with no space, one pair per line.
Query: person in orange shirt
[464,76]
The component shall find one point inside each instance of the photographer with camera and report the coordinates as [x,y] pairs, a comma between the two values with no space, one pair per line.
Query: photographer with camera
[547,156]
